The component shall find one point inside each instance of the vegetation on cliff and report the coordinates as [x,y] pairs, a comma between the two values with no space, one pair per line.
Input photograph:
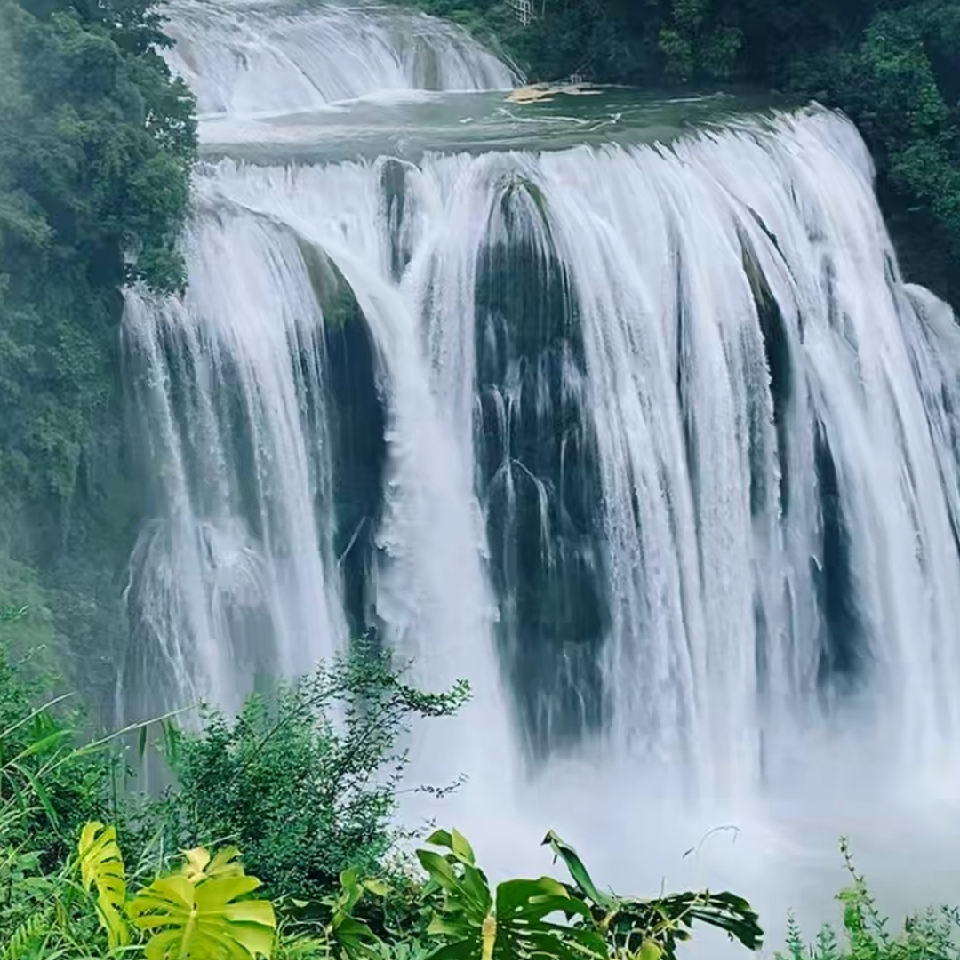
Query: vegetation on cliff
[96,144]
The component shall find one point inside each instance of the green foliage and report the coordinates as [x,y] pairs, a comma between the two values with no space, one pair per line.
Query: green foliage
[48,784]
[331,926]
[200,912]
[512,922]
[654,928]
[457,915]
[205,908]
[303,780]
[94,167]
[97,145]
[865,933]
[897,82]
[379,912]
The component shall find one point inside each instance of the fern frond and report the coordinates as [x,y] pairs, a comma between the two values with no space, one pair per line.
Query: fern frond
[26,936]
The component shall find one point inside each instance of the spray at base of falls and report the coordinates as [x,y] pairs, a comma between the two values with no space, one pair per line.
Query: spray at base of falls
[667,467]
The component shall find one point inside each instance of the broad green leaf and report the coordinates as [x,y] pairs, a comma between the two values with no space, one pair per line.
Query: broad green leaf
[353,934]
[474,887]
[461,848]
[454,841]
[443,927]
[650,951]
[101,866]
[196,921]
[377,887]
[518,926]
[350,890]
[195,862]
[199,865]
[456,872]
[440,838]
[545,895]
[225,864]
[438,867]
[578,871]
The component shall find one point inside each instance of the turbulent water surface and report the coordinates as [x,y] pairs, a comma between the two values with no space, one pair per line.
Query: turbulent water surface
[617,406]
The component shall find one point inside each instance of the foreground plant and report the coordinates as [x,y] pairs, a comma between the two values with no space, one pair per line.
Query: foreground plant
[652,929]
[304,780]
[203,911]
[521,918]
[865,932]
[460,916]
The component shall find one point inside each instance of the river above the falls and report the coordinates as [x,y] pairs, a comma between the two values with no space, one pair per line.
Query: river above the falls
[408,124]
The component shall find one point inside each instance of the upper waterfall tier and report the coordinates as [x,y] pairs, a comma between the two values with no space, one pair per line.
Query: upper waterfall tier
[261,58]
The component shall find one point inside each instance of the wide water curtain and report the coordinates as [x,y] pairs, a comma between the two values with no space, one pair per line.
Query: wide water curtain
[651,443]
[259,58]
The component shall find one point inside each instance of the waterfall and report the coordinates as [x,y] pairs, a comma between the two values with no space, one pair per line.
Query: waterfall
[261,56]
[650,442]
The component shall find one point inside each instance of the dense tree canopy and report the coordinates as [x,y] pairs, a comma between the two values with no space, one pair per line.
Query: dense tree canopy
[96,142]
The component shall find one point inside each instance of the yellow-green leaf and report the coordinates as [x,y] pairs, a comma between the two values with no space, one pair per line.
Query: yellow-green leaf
[206,918]
[199,865]
[460,847]
[650,951]
[377,887]
[101,866]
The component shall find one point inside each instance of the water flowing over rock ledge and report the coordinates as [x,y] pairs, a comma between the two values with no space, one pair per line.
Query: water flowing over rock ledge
[619,408]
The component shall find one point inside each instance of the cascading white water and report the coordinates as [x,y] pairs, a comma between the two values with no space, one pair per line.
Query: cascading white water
[258,57]
[653,444]
[237,575]
[713,524]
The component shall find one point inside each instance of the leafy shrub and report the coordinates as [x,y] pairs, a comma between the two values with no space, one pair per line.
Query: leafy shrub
[304,780]
[865,933]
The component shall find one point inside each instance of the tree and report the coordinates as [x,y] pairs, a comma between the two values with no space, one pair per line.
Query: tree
[97,140]
[304,780]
